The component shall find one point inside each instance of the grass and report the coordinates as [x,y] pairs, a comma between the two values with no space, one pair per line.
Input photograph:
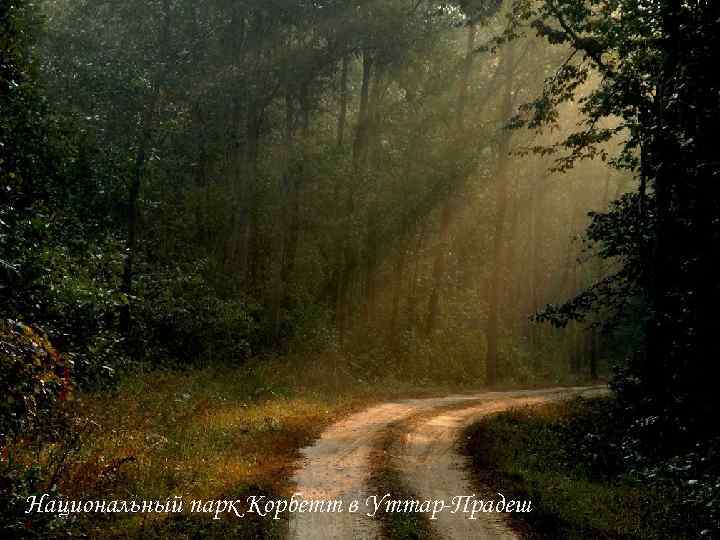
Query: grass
[532,454]
[227,433]
[216,433]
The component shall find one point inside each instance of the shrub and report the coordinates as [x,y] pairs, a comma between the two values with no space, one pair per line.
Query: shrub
[177,315]
[32,375]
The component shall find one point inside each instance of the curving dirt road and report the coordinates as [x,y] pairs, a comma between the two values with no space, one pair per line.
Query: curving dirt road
[337,466]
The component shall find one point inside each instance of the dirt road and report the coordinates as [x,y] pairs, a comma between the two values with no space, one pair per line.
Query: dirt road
[337,466]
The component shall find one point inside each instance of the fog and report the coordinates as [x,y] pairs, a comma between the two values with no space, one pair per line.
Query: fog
[338,175]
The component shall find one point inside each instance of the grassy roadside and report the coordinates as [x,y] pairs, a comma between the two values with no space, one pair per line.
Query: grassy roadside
[216,433]
[220,433]
[543,454]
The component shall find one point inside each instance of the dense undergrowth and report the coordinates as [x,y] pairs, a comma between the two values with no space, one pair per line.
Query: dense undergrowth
[591,473]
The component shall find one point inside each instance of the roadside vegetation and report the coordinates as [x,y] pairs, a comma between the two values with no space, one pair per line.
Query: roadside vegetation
[214,433]
[590,474]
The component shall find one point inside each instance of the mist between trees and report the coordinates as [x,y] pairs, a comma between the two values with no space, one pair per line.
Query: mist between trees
[193,182]
[277,175]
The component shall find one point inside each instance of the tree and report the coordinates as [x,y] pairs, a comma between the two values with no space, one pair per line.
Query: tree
[655,92]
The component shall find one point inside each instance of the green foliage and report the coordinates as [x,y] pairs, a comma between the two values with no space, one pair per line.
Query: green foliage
[56,270]
[31,374]
[54,441]
[181,319]
[581,466]
[653,89]
[615,302]
[250,177]
[35,381]
[17,483]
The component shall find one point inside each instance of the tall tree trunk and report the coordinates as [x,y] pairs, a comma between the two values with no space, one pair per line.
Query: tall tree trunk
[442,246]
[594,352]
[412,302]
[534,271]
[439,267]
[349,262]
[372,233]
[337,285]
[133,218]
[398,275]
[250,241]
[360,146]
[501,203]
[289,216]
[342,115]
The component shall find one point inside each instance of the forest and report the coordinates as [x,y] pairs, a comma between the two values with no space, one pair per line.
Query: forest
[227,225]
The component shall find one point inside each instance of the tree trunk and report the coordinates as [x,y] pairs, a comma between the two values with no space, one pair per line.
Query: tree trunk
[342,115]
[439,267]
[398,275]
[290,217]
[501,202]
[360,146]
[250,241]
[133,218]
[442,246]
[349,262]
[373,203]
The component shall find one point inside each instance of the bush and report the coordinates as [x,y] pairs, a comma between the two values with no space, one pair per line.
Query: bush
[591,472]
[17,483]
[34,380]
[32,375]
[178,316]
[38,463]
